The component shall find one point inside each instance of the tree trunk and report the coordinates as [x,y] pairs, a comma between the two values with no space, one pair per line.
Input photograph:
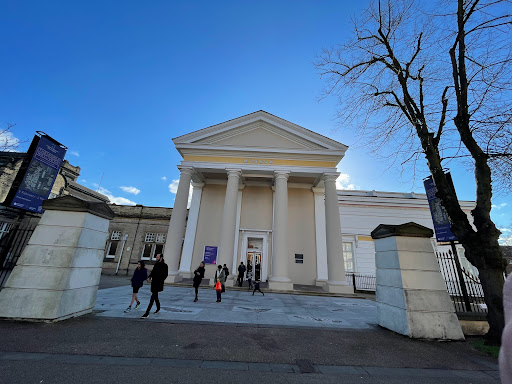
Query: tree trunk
[492,284]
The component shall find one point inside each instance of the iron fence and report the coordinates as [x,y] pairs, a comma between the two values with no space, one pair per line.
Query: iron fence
[11,247]
[361,282]
[464,287]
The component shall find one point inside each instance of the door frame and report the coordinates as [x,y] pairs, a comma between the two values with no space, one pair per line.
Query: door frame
[264,251]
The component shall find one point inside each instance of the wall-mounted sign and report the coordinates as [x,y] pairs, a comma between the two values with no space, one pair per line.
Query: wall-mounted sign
[210,255]
[37,183]
[442,225]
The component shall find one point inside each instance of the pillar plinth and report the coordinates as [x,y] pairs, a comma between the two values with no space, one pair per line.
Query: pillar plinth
[279,279]
[336,280]
[176,230]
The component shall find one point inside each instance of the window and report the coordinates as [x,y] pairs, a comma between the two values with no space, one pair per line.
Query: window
[153,245]
[4,228]
[150,237]
[299,258]
[348,256]
[115,236]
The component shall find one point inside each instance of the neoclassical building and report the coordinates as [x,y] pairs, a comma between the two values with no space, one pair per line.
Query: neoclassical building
[264,192]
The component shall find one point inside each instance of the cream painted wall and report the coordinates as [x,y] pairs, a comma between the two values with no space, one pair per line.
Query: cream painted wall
[256,210]
[301,235]
[255,214]
[209,225]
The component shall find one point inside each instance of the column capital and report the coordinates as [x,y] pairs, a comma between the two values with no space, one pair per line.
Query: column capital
[330,176]
[234,172]
[186,170]
[318,191]
[197,185]
[281,175]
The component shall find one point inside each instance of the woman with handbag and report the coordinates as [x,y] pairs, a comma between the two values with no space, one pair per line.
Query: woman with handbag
[220,277]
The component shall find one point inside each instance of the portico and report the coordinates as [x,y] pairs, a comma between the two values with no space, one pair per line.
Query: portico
[264,192]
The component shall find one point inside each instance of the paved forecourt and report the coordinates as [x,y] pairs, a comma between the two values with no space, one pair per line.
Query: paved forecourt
[241,307]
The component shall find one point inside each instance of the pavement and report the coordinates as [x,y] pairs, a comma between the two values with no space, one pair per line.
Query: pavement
[227,343]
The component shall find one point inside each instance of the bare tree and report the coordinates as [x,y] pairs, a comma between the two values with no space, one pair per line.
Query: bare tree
[8,142]
[436,82]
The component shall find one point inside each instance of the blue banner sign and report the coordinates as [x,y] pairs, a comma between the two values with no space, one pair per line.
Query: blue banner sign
[210,255]
[40,176]
[440,218]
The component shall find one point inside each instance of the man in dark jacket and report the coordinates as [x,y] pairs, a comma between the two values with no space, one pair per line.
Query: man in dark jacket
[241,271]
[198,277]
[156,278]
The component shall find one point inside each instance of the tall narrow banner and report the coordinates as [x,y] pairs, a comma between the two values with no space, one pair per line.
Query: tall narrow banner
[442,225]
[39,176]
[210,255]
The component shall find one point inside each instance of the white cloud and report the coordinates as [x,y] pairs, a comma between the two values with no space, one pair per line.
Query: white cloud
[83,181]
[173,188]
[164,178]
[132,190]
[74,153]
[113,199]
[343,182]
[499,206]
[8,141]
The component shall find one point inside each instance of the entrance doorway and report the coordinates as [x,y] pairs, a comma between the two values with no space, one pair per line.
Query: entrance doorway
[254,254]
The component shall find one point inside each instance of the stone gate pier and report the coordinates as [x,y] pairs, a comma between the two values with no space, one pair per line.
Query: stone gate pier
[58,273]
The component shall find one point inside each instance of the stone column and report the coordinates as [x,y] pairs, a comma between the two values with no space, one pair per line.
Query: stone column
[336,281]
[321,246]
[176,230]
[227,234]
[190,234]
[279,278]
[412,298]
[58,273]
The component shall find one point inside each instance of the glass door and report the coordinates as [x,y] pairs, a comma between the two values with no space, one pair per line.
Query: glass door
[254,255]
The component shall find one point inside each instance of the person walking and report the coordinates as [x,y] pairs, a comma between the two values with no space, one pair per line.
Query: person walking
[257,287]
[241,272]
[156,278]
[220,277]
[249,279]
[139,275]
[198,277]
[226,273]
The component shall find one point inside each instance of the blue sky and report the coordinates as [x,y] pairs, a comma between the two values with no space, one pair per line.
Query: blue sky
[115,81]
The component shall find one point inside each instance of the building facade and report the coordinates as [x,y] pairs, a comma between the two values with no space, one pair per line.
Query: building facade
[264,193]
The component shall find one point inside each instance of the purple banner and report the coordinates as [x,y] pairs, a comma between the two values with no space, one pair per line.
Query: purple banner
[210,255]
[40,176]
[440,218]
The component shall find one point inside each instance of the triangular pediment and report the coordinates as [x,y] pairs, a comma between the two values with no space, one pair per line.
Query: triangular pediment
[259,134]
[259,130]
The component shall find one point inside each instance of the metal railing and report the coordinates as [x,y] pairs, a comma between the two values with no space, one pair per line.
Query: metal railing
[11,247]
[361,281]
[464,287]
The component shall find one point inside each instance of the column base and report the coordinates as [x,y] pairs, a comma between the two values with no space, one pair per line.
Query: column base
[186,274]
[281,285]
[173,278]
[336,287]
[320,282]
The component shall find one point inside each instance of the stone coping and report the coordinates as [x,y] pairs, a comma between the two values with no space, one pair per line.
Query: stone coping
[410,229]
[74,204]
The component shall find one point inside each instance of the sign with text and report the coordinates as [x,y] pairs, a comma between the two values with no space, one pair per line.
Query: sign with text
[210,255]
[440,218]
[39,176]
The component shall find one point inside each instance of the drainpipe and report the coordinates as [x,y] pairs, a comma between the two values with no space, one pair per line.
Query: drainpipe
[125,237]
